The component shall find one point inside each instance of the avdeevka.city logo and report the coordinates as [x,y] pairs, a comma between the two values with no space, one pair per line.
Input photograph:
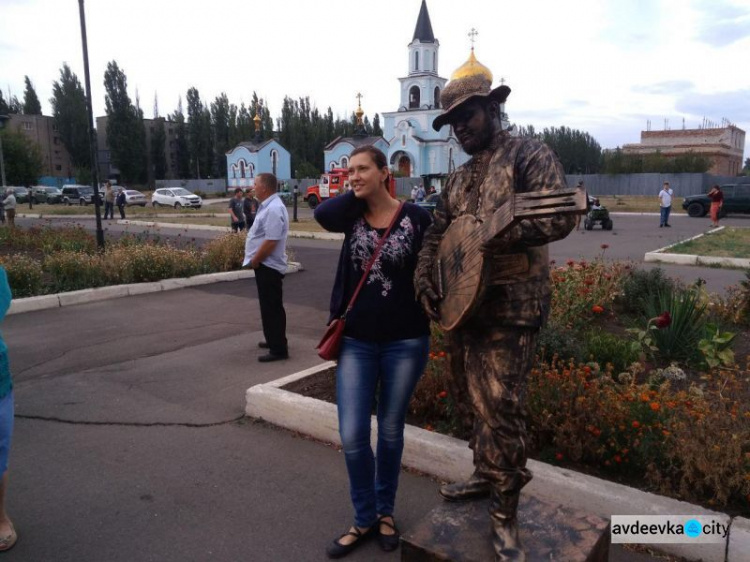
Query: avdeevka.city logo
[693,528]
[668,529]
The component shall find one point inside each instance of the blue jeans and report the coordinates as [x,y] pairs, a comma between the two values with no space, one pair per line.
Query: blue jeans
[664,219]
[389,372]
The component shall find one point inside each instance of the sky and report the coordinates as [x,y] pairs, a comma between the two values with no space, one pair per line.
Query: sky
[606,67]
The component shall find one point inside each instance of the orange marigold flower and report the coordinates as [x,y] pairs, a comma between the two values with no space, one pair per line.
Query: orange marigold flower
[596,309]
[558,456]
[655,406]
[666,433]
[645,397]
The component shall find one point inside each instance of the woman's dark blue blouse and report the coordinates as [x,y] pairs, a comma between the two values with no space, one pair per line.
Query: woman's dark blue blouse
[386,308]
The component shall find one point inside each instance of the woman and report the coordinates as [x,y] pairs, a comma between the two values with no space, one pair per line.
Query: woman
[717,200]
[386,340]
[8,536]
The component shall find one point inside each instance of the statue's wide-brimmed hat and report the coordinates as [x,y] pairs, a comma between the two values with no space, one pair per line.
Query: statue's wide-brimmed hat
[471,80]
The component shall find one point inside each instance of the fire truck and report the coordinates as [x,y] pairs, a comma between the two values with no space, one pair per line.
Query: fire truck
[334,183]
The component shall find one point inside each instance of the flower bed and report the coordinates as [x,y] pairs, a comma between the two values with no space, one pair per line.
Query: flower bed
[612,394]
[43,260]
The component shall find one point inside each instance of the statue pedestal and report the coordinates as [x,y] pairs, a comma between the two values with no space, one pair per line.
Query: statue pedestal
[460,532]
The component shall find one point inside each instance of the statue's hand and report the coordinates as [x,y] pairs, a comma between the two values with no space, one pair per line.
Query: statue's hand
[428,297]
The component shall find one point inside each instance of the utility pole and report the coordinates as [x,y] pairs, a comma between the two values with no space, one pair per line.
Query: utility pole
[92,142]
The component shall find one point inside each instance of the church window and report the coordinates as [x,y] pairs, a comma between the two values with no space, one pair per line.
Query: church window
[437,97]
[416,60]
[274,161]
[450,160]
[414,97]
[434,61]
[242,168]
[344,162]
[332,166]
[403,140]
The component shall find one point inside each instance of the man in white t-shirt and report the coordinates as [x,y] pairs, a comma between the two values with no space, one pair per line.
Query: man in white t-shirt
[665,204]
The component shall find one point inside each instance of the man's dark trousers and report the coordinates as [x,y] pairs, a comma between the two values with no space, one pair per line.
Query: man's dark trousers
[272,313]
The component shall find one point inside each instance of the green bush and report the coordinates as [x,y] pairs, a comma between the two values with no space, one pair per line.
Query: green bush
[605,347]
[554,340]
[641,288]
[72,271]
[678,341]
[150,262]
[24,275]
[226,253]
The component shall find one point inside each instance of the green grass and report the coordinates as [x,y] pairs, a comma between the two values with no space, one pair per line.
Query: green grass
[727,243]
[137,211]
[637,203]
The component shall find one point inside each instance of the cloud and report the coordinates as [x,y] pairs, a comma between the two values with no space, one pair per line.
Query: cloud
[732,105]
[668,87]
[723,23]
[723,33]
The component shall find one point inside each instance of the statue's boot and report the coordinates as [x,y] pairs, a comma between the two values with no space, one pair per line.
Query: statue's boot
[474,488]
[505,539]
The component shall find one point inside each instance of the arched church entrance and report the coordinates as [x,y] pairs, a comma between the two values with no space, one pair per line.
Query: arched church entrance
[404,166]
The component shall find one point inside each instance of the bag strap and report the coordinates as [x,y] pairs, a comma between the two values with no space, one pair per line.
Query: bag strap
[372,259]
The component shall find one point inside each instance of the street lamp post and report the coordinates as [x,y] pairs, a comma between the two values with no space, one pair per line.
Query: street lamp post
[3,119]
[92,140]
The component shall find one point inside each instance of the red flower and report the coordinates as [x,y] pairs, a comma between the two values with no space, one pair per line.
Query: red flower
[596,309]
[442,394]
[663,320]
[617,458]
[570,263]
[636,424]
[558,456]
[605,246]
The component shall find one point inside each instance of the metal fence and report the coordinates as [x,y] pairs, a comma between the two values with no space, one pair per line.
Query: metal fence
[651,184]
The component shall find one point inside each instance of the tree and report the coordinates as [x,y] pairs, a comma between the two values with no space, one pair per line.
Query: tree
[15,107]
[377,131]
[125,130]
[158,154]
[578,151]
[746,169]
[220,119]
[3,105]
[181,143]
[31,105]
[23,161]
[71,117]
[617,162]
[199,137]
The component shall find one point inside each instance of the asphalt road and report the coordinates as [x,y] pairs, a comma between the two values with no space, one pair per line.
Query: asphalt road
[130,443]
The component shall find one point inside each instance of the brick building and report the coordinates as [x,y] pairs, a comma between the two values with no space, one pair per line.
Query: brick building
[42,131]
[108,170]
[725,146]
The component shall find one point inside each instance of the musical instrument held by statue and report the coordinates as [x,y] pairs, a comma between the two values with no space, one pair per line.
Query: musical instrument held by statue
[460,264]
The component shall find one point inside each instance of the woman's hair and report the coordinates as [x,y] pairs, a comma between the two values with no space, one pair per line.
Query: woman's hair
[377,156]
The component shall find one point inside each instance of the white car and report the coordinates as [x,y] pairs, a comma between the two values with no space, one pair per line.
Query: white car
[175,197]
[133,197]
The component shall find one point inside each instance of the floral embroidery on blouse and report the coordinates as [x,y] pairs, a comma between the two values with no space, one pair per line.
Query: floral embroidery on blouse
[395,251]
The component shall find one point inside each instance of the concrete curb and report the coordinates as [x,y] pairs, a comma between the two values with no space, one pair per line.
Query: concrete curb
[43,302]
[661,255]
[739,540]
[449,458]
[292,233]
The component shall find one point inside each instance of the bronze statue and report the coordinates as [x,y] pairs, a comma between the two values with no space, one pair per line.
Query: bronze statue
[491,350]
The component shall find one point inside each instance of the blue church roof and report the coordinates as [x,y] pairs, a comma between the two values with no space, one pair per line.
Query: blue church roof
[423,31]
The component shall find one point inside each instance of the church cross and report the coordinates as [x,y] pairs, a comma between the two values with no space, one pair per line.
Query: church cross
[502,81]
[473,37]
[359,99]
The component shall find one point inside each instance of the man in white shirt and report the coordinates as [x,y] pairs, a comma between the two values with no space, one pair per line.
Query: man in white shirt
[10,208]
[665,203]
[265,252]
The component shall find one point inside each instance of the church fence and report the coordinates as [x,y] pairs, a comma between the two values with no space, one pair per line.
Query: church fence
[651,184]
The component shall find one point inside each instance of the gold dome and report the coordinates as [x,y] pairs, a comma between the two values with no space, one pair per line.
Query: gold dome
[472,67]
